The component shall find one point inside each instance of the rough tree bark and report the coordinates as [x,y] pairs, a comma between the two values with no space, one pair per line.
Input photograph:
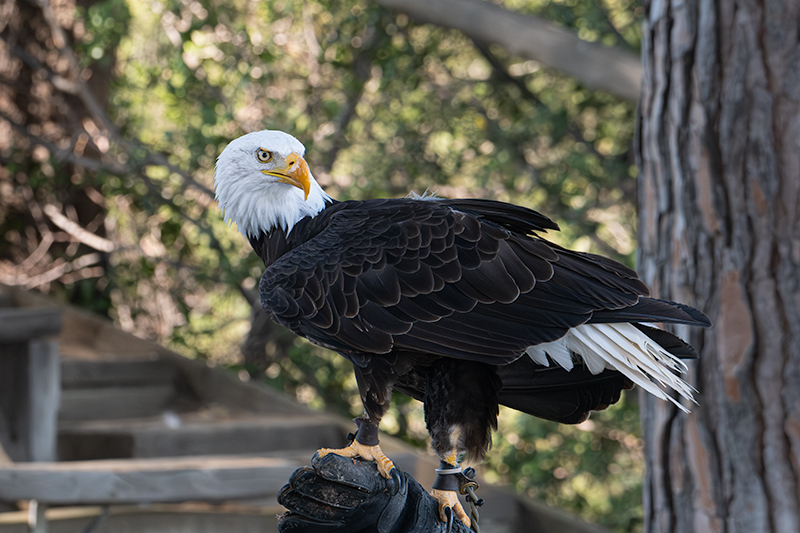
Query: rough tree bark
[719,151]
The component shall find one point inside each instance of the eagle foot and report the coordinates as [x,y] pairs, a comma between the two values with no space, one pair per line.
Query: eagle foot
[448,499]
[368,453]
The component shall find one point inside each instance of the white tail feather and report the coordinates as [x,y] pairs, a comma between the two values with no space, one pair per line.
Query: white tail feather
[557,350]
[620,347]
[538,354]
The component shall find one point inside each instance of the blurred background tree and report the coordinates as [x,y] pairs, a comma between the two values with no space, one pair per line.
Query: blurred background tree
[720,230]
[112,114]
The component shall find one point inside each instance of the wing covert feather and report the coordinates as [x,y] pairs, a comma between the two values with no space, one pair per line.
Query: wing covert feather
[369,277]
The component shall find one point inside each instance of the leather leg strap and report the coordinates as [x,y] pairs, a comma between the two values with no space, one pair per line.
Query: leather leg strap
[367,432]
[447,477]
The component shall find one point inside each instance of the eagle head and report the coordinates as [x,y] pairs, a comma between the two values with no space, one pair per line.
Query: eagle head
[262,182]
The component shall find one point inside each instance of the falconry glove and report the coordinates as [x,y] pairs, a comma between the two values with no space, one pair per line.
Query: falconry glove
[338,494]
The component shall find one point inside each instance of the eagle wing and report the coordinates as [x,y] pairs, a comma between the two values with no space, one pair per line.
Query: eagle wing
[467,279]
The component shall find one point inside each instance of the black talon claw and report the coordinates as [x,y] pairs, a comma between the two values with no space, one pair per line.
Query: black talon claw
[448,512]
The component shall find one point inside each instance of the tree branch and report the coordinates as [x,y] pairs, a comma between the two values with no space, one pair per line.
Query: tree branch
[611,69]
[81,235]
[505,76]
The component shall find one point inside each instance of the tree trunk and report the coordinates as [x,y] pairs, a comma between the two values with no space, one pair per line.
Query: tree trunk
[719,204]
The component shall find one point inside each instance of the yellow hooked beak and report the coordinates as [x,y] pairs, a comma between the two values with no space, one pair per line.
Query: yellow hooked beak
[295,173]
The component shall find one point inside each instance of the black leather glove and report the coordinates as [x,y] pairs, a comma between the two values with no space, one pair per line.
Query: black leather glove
[337,494]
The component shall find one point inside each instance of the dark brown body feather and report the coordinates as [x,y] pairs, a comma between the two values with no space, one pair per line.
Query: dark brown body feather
[399,286]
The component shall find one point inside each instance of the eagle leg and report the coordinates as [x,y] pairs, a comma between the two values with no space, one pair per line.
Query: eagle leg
[365,445]
[460,410]
[445,492]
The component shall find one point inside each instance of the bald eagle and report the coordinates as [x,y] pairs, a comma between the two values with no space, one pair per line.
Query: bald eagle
[459,303]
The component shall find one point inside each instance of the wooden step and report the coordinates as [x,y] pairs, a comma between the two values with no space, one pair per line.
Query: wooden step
[94,390]
[181,435]
[116,402]
[99,374]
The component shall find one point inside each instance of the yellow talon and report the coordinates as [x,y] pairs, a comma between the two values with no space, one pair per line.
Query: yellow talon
[449,498]
[368,453]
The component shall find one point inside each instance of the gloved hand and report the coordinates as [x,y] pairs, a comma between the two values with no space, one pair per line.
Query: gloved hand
[337,494]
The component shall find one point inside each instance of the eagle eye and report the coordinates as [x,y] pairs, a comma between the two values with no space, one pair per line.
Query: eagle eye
[264,156]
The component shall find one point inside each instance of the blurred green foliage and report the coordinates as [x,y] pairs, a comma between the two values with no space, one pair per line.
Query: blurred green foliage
[383,106]
[593,469]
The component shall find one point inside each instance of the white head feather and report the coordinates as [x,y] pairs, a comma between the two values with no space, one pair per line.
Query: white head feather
[258,202]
